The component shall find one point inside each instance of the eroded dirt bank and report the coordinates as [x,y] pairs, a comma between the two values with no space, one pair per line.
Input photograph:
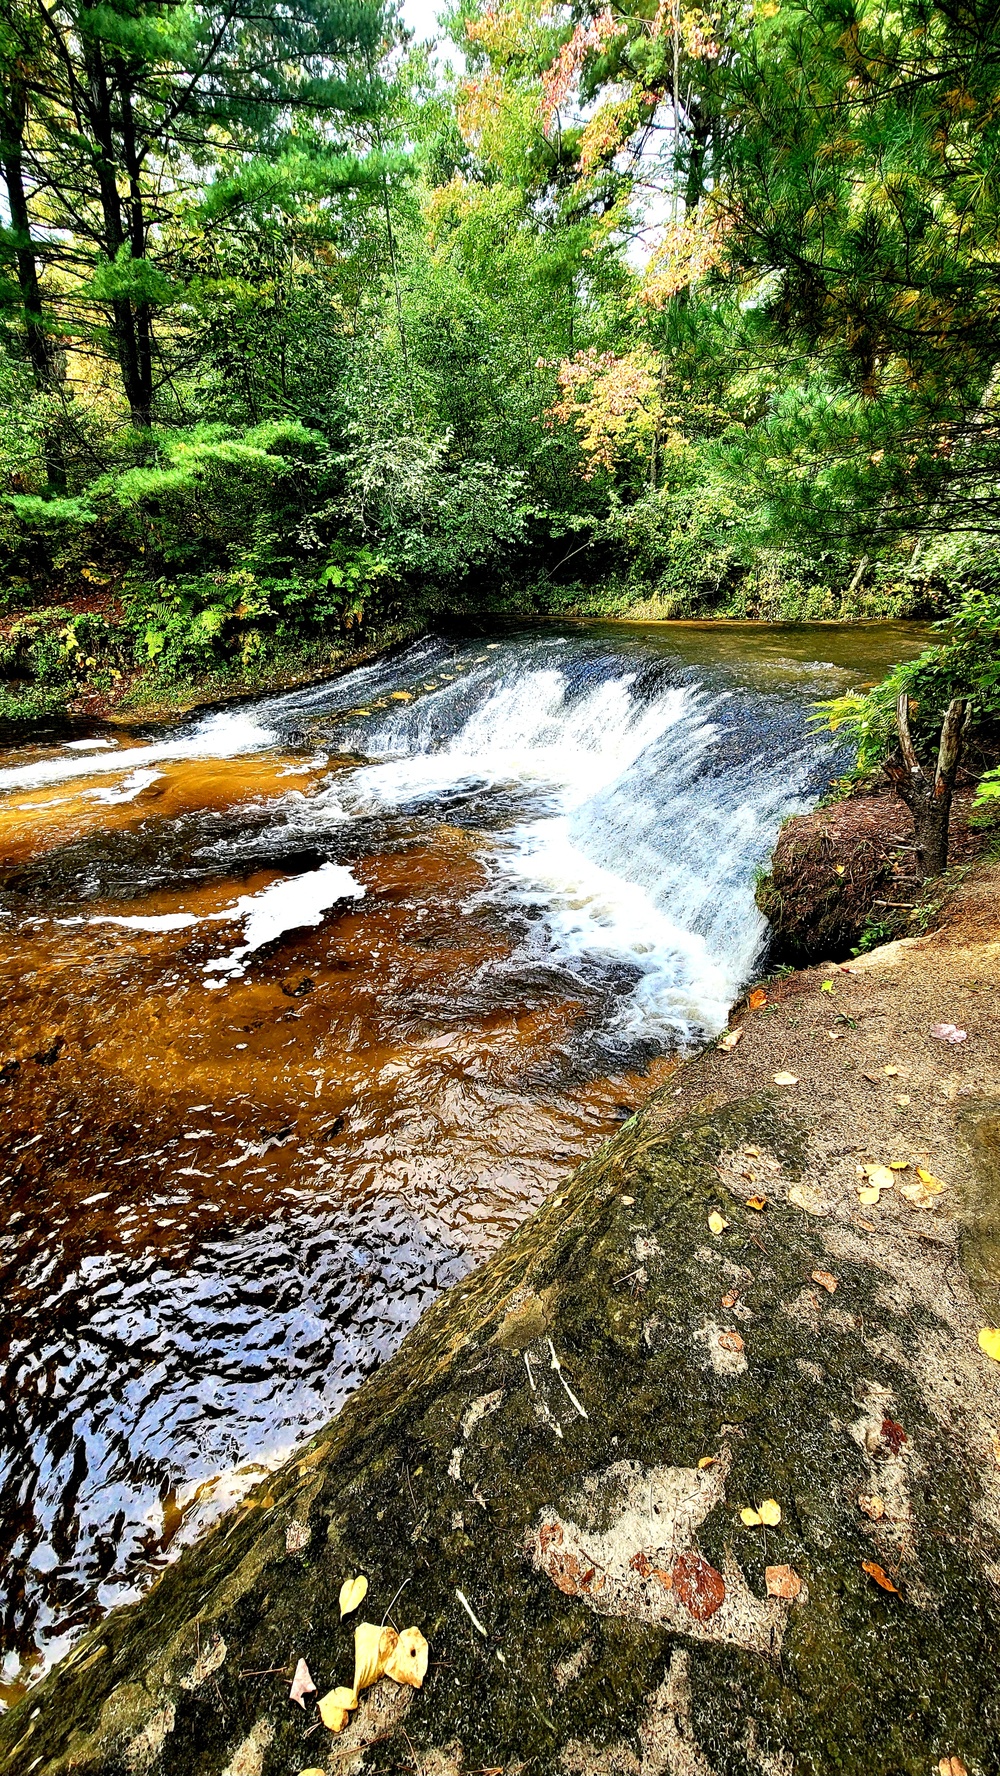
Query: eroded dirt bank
[534,1449]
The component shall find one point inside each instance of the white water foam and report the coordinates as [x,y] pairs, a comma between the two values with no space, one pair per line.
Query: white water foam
[285,906]
[642,853]
[219,736]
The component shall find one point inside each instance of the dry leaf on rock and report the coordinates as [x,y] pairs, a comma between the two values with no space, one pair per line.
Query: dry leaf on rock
[989,1342]
[628,1201]
[825,1280]
[893,1434]
[373,1648]
[947,1033]
[302,1684]
[730,1298]
[770,1512]
[717,1223]
[890,1072]
[352,1592]
[951,1766]
[919,1194]
[708,1461]
[750,1517]
[756,1202]
[827,987]
[407,1664]
[878,1573]
[731,1341]
[335,1707]
[929,1181]
[731,1038]
[698,1585]
[785,1079]
[782,1581]
[873,1507]
[757,999]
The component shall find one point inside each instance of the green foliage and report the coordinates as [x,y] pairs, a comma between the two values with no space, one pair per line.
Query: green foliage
[966,664]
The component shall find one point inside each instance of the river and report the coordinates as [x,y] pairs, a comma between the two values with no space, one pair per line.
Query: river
[309,1001]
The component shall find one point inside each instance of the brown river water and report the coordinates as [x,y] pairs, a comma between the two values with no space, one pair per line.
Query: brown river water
[307,1002]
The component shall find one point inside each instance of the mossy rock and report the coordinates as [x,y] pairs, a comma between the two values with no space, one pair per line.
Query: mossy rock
[534,1449]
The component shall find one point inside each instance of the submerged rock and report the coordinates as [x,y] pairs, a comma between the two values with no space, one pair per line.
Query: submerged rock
[561,1476]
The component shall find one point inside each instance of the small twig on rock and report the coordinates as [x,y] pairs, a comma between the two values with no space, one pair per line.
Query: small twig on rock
[470,1612]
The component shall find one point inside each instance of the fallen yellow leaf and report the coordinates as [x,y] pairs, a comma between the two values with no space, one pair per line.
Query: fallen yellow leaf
[756,1202]
[879,1175]
[827,987]
[352,1592]
[706,1461]
[770,1512]
[825,1280]
[373,1648]
[749,1516]
[929,1181]
[407,1663]
[989,1342]
[717,1223]
[785,1079]
[868,1194]
[890,1072]
[757,999]
[902,1102]
[401,696]
[873,1507]
[335,1707]
[731,1038]
[951,1766]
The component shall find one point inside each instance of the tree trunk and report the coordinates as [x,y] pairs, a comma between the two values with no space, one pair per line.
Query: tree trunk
[127,327]
[39,345]
[929,797]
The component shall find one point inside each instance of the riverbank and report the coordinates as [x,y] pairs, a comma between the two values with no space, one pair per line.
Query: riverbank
[559,1477]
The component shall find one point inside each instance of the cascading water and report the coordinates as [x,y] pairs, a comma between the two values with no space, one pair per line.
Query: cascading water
[308,1003]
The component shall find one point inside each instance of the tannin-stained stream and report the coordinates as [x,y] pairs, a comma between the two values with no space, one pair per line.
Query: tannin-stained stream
[307,1003]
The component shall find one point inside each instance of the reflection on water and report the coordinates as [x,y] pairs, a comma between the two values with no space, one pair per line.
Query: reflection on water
[306,1004]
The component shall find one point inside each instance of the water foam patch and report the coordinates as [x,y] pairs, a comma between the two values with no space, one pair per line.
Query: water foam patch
[286,906]
[218,736]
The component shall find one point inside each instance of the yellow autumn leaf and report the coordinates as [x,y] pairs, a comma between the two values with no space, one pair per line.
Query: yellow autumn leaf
[785,1079]
[374,1646]
[335,1707]
[401,696]
[717,1223]
[827,987]
[731,1038]
[756,1202]
[749,1516]
[879,1176]
[706,1461]
[352,1592]
[929,1181]
[407,1663]
[868,1194]
[989,1342]
[770,1512]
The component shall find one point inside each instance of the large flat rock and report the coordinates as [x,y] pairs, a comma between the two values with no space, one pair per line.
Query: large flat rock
[523,1483]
